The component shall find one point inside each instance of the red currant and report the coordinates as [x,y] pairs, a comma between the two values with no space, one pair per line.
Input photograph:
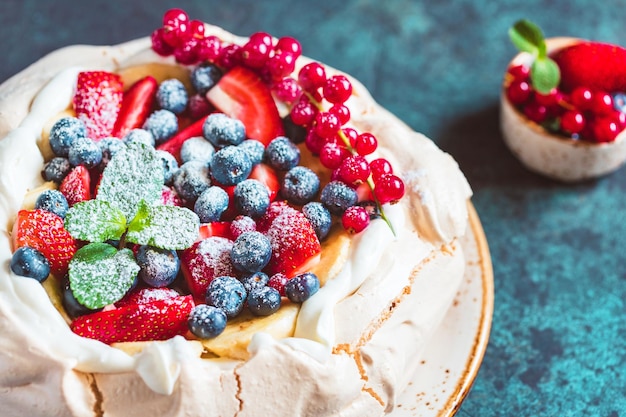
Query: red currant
[287,90]
[159,45]
[176,25]
[314,142]
[209,48]
[342,112]
[196,28]
[581,98]
[256,51]
[380,167]
[601,103]
[230,56]
[389,188]
[572,122]
[518,92]
[536,112]
[354,170]
[355,219]
[187,52]
[332,155]
[337,89]
[605,129]
[312,76]
[326,124]
[351,134]
[281,64]
[289,44]
[520,72]
[365,144]
[303,113]
[550,99]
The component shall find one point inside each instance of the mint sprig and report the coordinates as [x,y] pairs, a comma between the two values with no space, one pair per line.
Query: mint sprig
[95,221]
[101,275]
[544,72]
[166,227]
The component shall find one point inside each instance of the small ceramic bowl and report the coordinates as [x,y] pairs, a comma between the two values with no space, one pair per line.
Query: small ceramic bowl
[552,155]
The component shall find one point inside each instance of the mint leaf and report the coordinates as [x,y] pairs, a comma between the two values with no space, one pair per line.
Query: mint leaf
[101,275]
[134,173]
[544,74]
[527,37]
[95,221]
[165,227]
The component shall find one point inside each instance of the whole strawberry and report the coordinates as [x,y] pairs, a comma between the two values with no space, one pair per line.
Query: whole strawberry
[595,65]
[97,101]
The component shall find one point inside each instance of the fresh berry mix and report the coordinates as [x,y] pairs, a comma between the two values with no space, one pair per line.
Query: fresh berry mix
[179,207]
[575,92]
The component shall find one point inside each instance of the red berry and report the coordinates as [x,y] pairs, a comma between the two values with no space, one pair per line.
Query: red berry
[518,92]
[351,134]
[354,170]
[230,56]
[581,98]
[281,64]
[520,72]
[332,155]
[278,281]
[199,106]
[337,89]
[355,219]
[312,76]
[601,103]
[209,48]
[256,51]
[388,188]
[342,112]
[289,44]
[605,129]
[159,45]
[380,167]
[536,112]
[550,99]
[196,28]
[365,144]
[314,142]
[287,90]
[303,113]
[187,53]
[176,25]
[572,122]
[326,124]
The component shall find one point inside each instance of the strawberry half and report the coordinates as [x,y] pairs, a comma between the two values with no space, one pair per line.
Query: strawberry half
[97,101]
[44,231]
[76,186]
[295,246]
[136,106]
[205,260]
[241,94]
[174,144]
[595,65]
[219,229]
[156,320]
[147,295]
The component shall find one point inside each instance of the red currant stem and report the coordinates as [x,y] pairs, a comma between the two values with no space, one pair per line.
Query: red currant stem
[346,142]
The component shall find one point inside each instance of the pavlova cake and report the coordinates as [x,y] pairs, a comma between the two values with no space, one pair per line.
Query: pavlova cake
[198,224]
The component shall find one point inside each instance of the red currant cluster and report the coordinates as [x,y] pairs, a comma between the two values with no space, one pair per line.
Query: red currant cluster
[584,114]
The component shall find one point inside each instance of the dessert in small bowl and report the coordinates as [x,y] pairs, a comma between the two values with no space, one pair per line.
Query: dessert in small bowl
[562,105]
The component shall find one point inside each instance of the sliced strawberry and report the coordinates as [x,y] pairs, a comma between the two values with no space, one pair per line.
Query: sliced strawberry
[595,65]
[205,260]
[267,176]
[97,101]
[295,246]
[241,94]
[174,144]
[76,186]
[136,106]
[44,231]
[156,320]
[219,229]
[147,295]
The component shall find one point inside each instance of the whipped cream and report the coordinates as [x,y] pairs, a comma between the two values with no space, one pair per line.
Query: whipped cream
[350,316]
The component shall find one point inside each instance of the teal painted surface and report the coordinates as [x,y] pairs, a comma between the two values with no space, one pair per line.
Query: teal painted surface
[558,342]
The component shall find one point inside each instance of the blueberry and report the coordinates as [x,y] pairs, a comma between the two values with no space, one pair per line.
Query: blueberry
[337,197]
[319,217]
[158,267]
[170,166]
[251,252]
[204,77]
[109,147]
[86,152]
[206,322]
[254,281]
[197,149]
[230,165]
[254,149]
[64,132]
[29,262]
[139,136]
[264,301]
[227,294]
[53,201]
[172,95]
[300,185]
[211,204]
[251,198]
[56,169]
[222,130]
[191,180]
[296,133]
[282,154]
[163,124]
[301,287]
[619,102]
[71,305]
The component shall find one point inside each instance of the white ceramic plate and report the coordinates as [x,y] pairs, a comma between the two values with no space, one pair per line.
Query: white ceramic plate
[452,358]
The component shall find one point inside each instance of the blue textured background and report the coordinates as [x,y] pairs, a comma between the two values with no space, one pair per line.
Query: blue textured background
[558,342]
